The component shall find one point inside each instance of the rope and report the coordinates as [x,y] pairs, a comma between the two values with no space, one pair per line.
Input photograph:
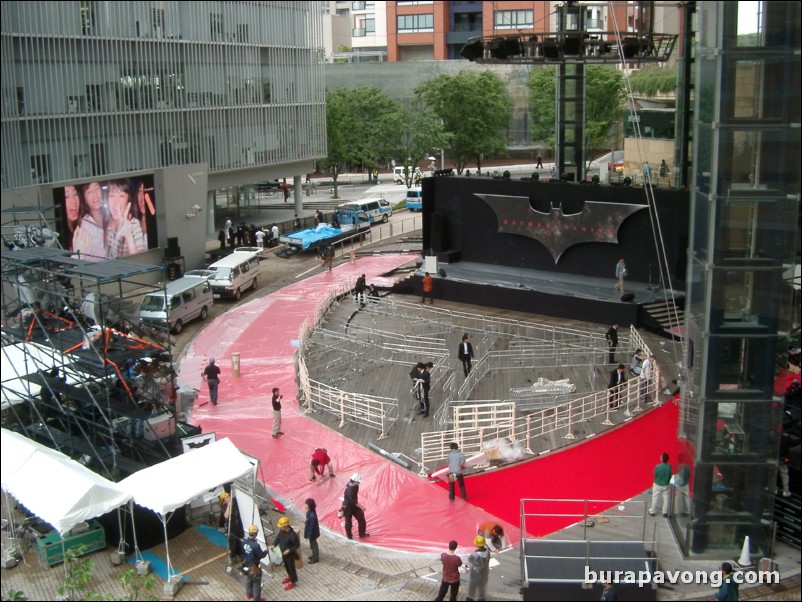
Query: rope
[657,234]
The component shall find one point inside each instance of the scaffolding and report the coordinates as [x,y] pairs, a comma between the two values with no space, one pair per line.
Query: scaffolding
[79,373]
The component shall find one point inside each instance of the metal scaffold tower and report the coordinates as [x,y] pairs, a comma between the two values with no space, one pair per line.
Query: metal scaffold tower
[79,373]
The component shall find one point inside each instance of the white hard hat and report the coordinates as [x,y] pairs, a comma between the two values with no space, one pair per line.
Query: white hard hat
[356,477]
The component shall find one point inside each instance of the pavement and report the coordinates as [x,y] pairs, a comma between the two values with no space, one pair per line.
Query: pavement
[348,569]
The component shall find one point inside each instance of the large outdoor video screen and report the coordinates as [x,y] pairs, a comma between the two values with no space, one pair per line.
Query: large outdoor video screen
[107,219]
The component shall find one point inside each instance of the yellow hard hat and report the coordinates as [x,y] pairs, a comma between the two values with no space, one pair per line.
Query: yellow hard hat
[283,522]
[479,541]
[253,530]
[223,496]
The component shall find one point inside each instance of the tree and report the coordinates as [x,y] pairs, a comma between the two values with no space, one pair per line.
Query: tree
[604,102]
[475,111]
[415,133]
[359,123]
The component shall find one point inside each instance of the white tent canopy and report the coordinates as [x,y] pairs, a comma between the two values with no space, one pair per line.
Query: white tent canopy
[54,487]
[174,482]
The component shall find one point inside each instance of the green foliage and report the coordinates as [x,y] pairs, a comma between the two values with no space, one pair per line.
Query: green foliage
[604,100]
[359,128]
[475,111]
[414,133]
[137,585]
[79,573]
[653,80]
[15,595]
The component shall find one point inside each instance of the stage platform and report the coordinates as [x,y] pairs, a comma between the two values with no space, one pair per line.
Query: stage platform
[558,295]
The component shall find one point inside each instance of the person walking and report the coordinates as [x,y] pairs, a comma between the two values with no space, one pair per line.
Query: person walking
[288,542]
[359,290]
[451,563]
[728,590]
[320,460]
[425,376]
[662,479]
[680,480]
[616,385]
[428,288]
[663,169]
[211,374]
[637,362]
[456,467]
[647,172]
[221,236]
[312,530]
[479,565]
[352,509]
[277,397]
[328,255]
[620,274]
[539,161]
[252,554]
[612,341]
[465,354]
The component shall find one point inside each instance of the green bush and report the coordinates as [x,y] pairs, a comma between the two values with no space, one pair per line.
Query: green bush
[653,81]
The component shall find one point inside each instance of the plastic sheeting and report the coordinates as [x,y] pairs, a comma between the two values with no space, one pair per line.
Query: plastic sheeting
[170,484]
[54,487]
[403,510]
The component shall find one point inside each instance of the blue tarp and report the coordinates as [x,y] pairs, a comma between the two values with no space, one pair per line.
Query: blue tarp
[311,236]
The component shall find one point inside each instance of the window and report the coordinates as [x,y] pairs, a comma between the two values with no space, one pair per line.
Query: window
[415,23]
[412,2]
[87,18]
[157,16]
[216,26]
[514,19]
[40,168]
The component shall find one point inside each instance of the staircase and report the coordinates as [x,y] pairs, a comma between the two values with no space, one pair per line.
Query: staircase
[664,317]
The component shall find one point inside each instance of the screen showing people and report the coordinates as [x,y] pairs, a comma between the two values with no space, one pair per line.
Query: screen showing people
[108,219]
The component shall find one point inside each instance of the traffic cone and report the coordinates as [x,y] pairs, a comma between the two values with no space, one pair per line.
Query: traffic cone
[745,559]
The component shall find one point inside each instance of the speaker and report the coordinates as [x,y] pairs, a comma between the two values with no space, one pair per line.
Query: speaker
[172,252]
[628,297]
[172,243]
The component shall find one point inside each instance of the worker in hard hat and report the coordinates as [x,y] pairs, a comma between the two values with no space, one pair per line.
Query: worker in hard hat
[253,554]
[230,523]
[352,508]
[479,565]
[288,542]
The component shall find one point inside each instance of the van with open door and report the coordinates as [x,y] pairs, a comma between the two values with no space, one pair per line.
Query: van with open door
[181,301]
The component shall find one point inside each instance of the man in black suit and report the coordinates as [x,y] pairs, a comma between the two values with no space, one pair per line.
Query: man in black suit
[617,381]
[465,354]
[612,340]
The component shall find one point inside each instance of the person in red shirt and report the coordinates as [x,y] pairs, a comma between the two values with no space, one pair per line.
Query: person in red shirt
[451,563]
[320,459]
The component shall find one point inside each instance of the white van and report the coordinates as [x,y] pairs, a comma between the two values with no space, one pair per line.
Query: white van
[375,209]
[181,301]
[414,199]
[398,174]
[235,273]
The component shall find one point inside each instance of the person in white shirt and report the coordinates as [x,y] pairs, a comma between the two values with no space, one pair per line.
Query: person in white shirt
[274,230]
[260,237]
[646,375]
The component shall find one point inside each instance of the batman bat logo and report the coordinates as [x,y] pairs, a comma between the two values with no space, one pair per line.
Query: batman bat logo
[597,222]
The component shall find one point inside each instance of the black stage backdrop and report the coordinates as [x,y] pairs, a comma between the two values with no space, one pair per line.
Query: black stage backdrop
[456,220]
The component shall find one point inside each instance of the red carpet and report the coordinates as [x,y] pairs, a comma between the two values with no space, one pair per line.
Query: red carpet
[403,510]
[615,466]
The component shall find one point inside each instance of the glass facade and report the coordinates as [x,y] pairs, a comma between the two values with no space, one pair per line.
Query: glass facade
[98,88]
[745,221]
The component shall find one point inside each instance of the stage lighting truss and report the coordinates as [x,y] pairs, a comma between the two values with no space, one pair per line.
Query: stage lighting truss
[570,47]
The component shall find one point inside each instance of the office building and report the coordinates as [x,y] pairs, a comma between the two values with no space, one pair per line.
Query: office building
[199,95]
